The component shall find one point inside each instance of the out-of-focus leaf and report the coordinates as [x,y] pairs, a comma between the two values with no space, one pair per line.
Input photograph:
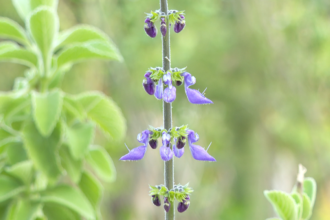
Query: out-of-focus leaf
[92,189]
[71,105]
[80,34]
[11,53]
[21,171]
[102,163]
[299,204]
[9,29]
[71,198]
[307,207]
[79,136]
[24,210]
[283,204]
[70,164]
[43,151]
[89,50]
[105,113]
[10,105]
[57,212]
[46,110]
[9,187]
[310,188]
[16,153]
[24,7]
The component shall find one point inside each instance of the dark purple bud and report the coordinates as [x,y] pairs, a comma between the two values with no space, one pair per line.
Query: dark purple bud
[163,27]
[178,83]
[167,204]
[149,84]
[181,142]
[155,199]
[184,205]
[153,144]
[150,28]
[179,24]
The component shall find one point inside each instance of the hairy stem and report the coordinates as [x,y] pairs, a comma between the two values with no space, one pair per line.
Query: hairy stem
[167,110]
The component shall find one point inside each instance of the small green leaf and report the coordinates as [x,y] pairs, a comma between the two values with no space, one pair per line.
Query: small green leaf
[92,189]
[79,136]
[71,105]
[24,7]
[9,29]
[71,198]
[70,164]
[43,150]
[50,3]
[307,207]
[298,202]
[17,55]
[25,210]
[80,34]
[58,212]
[102,163]
[283,204]
[105,113]
[16,153]
[21,171]
[86,51]
[9,187]
[46,110]
[310,188]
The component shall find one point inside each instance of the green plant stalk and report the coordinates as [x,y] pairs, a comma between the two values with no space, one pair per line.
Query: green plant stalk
[167,110]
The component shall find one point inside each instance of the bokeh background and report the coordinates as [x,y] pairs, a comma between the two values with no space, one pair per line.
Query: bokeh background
[266,66]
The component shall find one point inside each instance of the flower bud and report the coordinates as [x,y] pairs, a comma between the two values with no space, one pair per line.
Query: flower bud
[155,199]
[179,24]
[163,27]
[178,83]
[159,89]
[153,144]
[181,142]
[184,205]
[149,84]
[150,28]
[167,204]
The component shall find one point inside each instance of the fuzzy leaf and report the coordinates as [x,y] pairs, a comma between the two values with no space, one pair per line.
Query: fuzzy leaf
[90,50]
[57,212]
[16,153]
[71,198]
[25,210]
[24,7]
[70,164]
[21,171]
[9,187]
[299,204]
[310,188]
[46,110]
[92,189]
[12,53]
[307,207]
[43,150]
[283,204]
[71,105]
[102,163]
[9,29]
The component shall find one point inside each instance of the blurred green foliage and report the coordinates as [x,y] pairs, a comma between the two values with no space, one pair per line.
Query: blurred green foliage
[266,67]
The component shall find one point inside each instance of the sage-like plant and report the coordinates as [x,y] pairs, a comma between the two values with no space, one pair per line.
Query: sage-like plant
[297,205]
[161,82]
[49,167]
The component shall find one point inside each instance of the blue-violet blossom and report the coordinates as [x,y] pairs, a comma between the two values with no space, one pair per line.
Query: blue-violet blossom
[194,96]
[167,204]
[170,92]
[138,152]
[197,152]
[150,28]
[179,24]
[163,27]
[166,152]
[149,84]
[184,205]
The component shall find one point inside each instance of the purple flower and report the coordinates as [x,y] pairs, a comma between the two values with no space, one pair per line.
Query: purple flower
[149,84]
[167,204]
[150,28]
[153,144]
[179,24]
[184,205]
[163,27]
[178,152]
[181,142]
[166,152]
[155,199]
[170,92]
[194,96]
[138,152]
[159,89]
[197,152]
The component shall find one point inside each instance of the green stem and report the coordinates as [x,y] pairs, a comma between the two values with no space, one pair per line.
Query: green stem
[167,111]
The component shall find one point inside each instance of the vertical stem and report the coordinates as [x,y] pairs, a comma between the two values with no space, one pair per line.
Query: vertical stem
[167,110]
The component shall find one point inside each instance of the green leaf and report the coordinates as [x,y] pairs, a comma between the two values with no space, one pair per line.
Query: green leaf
[79,136]
[50,3]
[80,34]
[46,110]
[92,189]
[21,171]
[9,29]
[105,113]
[283,204]
[24,7]
[24,210]
[71,198]
[299,204]
[11,53]
[9,187]
[102,163]
[72,106]
[310,188]
[43,150]
[307,207]
[57,212]
[16,153]
[273,219]
[70,164]
[89,50]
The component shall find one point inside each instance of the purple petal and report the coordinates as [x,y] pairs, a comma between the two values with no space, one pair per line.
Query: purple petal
[163,27]
[153,144]
[166,138]
[143,137]
[167,204]
[167,79]
[149,86]
[150,28]
[192,136]
[169,94]
[200,153]
[159,89]
[155,199]
[166,153]
[184,205]
[135,154]
[177,152]
[194,96]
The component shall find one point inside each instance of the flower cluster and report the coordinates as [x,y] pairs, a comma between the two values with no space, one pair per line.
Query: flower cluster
[174,17]
[156,79]
[176,137]
[179,192]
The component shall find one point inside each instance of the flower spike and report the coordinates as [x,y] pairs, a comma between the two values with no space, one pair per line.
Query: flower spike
[170,92]
[138,152]
[194,96]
